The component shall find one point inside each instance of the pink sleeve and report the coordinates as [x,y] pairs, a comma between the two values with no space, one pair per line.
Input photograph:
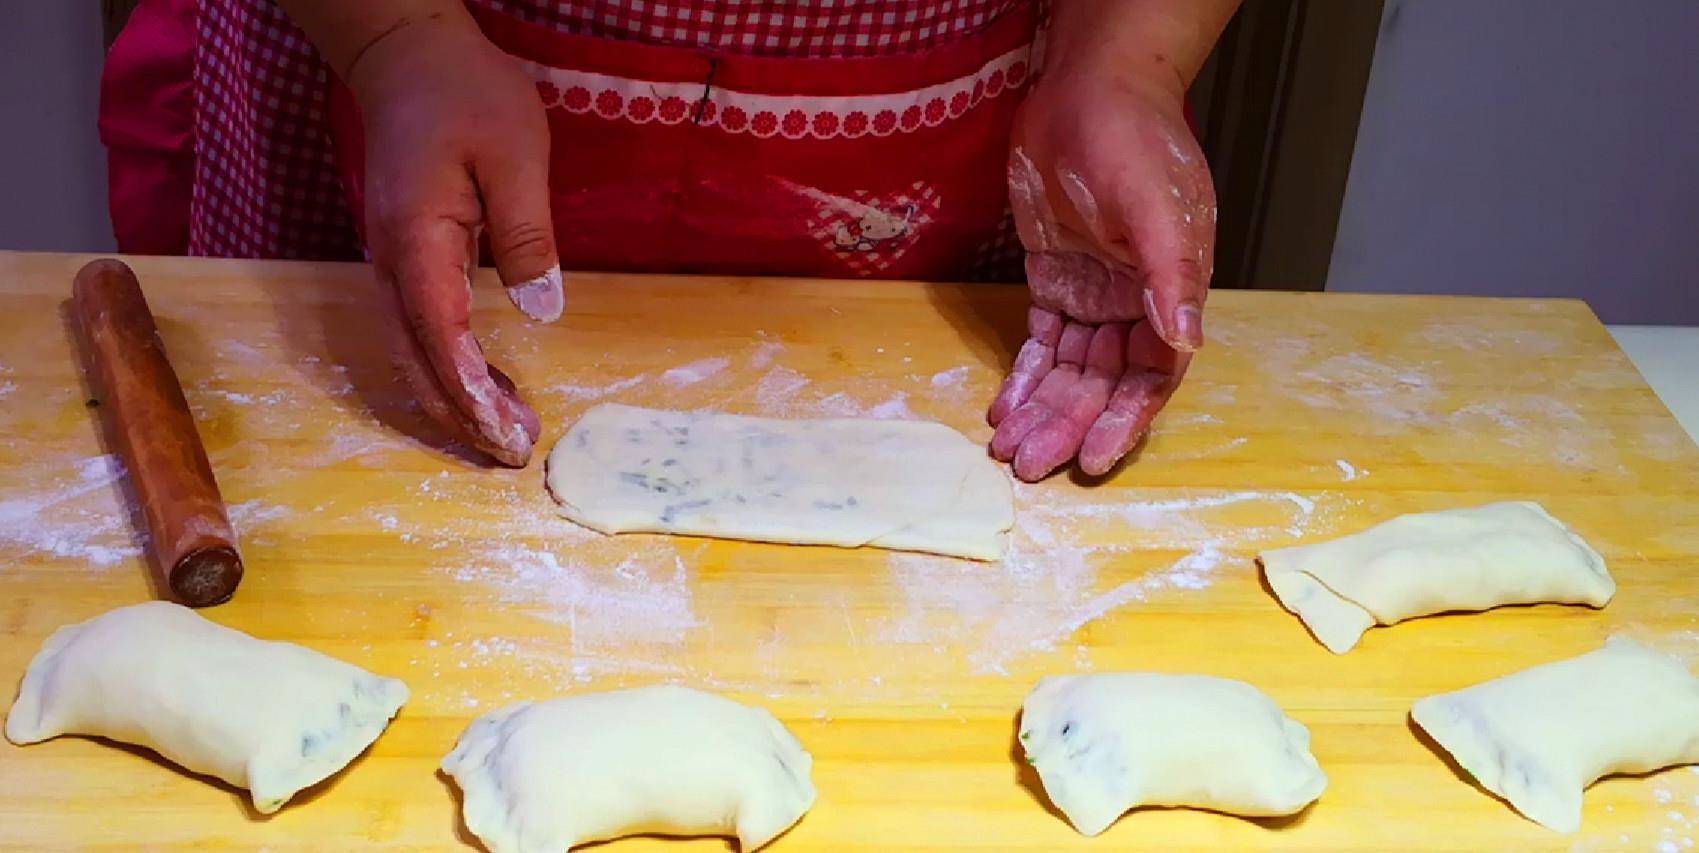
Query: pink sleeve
[146,123]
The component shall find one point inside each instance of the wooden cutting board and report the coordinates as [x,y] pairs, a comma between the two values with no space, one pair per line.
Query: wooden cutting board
[1306,417]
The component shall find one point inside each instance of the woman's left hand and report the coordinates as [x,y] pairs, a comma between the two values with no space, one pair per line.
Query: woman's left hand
[1116,209]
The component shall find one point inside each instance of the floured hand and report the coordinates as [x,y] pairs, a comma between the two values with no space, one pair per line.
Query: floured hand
[1115,206]
[1081,389]
[456,141]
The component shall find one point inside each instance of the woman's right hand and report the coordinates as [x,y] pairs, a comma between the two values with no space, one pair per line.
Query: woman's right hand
[1116,209]
[456,141]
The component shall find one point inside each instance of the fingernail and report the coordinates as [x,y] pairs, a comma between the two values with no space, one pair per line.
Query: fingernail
[542,298]
[1188,327]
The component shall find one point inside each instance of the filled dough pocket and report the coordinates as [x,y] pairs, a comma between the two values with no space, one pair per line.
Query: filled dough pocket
[1435,562]
[1539,737]
[542,777]
[273,718]
[1104,744]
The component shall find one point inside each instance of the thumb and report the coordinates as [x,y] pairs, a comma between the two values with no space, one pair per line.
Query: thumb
[1174,249]
[514,188]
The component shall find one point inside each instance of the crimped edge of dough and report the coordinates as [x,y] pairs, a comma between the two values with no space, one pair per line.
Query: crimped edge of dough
[1295,588]
[24,720]
[1282,563]
[360,738]
[804,772]
[1594,560]
[466,764]
[482,806]
[1293,735]
[1470,739]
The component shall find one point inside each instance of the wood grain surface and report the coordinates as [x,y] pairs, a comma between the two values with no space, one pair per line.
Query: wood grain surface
[1306,416]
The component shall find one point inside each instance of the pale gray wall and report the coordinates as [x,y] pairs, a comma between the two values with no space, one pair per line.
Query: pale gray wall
[1531,147]
[52,166]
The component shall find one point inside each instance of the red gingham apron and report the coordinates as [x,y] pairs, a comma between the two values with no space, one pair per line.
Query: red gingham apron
[865,138]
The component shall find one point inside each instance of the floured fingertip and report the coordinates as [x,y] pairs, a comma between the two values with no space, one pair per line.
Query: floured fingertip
[1014,429]
[1038,458]
[1107,442]
[1014,393]
[542,298]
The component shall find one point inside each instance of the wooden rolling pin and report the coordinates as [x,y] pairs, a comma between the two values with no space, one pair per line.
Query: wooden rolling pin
[193,544]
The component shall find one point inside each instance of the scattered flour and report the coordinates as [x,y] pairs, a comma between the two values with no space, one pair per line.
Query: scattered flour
[1047,587]
[571,391]
[1216,396]
[1175,421]
[1395,395]
[1517,412]
[630,606]
[839,405]
[1494,413]
[6,389]
[628,601]
[253,513]
[1198,453]
[764,353]
[350,446]
[429,485]
[644,600]
[694,372]
[100,470]
[1679,820]
[951,380]
[777,386]
[271,399]
[1392,397]
[82,520]
[1189,522]
[895,408]
[232,348]
[1458,333]
[1030,602]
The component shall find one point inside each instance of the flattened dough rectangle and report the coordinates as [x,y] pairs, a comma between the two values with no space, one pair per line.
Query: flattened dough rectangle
[905,485]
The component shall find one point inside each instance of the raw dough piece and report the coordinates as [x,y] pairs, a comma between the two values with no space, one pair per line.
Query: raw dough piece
[908,485]
[1539,737]
[273,718]
[1104,744]
[1432,562]
[542,777]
